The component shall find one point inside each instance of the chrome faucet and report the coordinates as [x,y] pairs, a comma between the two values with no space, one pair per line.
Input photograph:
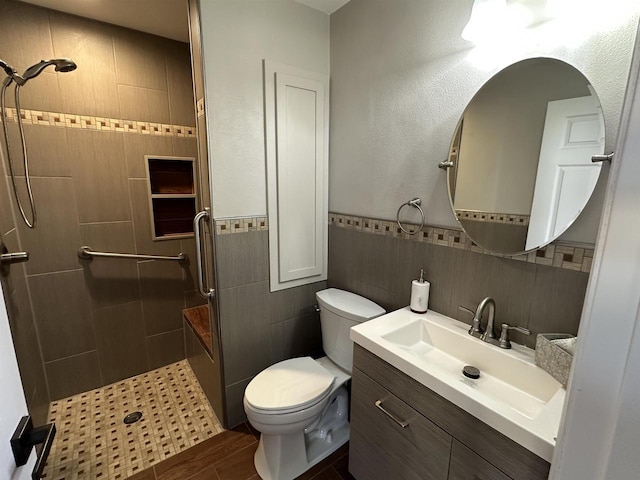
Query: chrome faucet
[488,335]
[476,329]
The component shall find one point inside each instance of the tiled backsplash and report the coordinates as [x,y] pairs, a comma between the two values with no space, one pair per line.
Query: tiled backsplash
[381,268]
[569,257]
[577,258]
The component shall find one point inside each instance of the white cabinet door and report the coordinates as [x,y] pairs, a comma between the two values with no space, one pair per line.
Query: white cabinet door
[296,121]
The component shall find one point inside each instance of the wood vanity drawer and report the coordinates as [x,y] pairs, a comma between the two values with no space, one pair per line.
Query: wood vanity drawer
[505,454]
[467,465]
[380,448]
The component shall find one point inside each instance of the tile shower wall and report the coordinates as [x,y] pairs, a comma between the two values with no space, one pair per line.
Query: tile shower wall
[259,327]
[103,320]
[539,297]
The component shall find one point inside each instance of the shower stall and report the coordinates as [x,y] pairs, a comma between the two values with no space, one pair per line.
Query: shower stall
[102,160]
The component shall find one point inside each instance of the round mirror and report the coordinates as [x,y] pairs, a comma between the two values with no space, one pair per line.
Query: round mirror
[521,156]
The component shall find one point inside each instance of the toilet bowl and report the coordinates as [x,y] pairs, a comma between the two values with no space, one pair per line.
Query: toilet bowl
[301,405]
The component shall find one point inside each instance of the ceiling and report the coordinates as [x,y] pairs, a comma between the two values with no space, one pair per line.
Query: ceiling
[168,17]
[326,6]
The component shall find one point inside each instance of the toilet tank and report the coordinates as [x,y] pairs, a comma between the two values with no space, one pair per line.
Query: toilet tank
[339,311]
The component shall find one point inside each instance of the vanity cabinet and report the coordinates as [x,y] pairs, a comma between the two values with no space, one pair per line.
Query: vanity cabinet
[384,449]
[440,441]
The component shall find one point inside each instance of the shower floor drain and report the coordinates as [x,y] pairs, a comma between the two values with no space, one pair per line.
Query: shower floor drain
[132,418]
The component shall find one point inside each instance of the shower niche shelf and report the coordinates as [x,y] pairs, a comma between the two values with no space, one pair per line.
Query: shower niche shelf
[172,196]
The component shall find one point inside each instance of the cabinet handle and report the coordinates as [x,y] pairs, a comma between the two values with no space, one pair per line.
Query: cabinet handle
[399,422]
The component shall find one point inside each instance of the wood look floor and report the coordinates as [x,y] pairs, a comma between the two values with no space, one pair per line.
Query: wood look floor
[229,456]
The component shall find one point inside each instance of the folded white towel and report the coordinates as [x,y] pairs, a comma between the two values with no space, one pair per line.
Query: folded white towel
[567,344]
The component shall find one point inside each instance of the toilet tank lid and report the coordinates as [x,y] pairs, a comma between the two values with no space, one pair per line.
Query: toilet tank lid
[349,304]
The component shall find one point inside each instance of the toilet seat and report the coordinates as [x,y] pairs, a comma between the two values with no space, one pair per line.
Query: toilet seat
[289,386]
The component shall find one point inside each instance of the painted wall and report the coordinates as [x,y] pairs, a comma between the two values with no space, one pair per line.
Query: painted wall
[402,75]
[236,36]
[78,324]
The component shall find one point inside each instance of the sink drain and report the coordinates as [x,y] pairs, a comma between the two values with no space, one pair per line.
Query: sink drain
[132,418]
[471,372]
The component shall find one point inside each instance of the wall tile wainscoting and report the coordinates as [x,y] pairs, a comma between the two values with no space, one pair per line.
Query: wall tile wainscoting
[543,290]
[273,326]
[381,263]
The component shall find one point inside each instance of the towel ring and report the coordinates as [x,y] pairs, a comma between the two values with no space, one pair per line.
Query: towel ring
[411,203]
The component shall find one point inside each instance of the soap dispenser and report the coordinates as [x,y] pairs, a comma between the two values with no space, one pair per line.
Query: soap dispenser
[420,294]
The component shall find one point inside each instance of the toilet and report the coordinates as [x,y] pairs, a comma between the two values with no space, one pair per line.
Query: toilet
[301,405]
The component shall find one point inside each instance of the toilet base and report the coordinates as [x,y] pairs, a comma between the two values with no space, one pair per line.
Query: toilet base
[285,457]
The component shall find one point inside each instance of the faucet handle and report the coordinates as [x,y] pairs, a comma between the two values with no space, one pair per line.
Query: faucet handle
[504,334]
[476,327]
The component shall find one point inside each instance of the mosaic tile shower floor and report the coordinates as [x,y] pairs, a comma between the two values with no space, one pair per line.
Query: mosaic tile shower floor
[92,441]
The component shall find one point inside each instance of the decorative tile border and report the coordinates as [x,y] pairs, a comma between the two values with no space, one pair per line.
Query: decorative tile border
[200,108]
[568,257]
[557,255]
[225,226]
[69,120]
[493,217]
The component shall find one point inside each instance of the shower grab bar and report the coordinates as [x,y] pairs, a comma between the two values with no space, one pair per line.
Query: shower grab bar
[205,292]
[86,253]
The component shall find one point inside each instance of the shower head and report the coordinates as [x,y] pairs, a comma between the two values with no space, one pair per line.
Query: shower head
[64,65]
[61,65]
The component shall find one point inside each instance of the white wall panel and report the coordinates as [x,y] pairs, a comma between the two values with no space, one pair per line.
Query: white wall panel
[297,130]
